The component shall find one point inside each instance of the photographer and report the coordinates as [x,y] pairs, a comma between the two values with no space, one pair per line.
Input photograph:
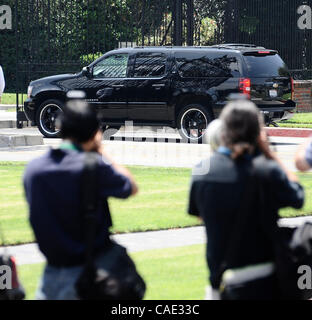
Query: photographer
[52,187]
[227,198]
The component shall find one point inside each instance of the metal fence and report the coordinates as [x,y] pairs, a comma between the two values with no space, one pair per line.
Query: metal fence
[284,25]
[60,36]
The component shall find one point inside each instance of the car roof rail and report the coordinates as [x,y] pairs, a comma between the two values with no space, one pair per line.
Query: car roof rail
[236,45]
[241,45]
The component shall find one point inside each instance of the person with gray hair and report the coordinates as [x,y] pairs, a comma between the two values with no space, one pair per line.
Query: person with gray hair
[213,134]
[239,233]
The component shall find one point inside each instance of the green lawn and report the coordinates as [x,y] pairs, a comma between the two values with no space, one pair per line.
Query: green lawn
[10,98]
[299,120]
[161,203]
[170,274]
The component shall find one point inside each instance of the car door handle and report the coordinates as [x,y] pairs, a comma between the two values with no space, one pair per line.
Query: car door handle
[117,85]
[158,85]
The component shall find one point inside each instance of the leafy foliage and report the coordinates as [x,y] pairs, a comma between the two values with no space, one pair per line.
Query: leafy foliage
[59,36]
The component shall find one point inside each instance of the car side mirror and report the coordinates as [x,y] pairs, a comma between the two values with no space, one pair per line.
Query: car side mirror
[86,72]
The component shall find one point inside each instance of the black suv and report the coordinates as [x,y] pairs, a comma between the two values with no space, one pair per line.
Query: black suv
[179,87]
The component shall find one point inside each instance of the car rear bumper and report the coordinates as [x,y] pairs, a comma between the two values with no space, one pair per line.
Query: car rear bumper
[277,110]
[275,105]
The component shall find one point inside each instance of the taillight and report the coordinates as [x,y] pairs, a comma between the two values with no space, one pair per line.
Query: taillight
[292,88]
[245,86]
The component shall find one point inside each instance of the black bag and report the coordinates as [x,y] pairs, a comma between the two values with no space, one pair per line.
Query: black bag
[265,288]
[293,249]
[115,277]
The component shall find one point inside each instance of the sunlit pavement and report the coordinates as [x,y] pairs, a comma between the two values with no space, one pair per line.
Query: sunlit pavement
[146,153]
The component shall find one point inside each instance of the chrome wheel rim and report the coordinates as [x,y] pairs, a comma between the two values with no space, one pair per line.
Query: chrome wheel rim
[194,124]
[48,116]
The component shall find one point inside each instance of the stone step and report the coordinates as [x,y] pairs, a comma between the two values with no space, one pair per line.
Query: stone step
[7,124]
[6,107]
[20,140]
[4,124]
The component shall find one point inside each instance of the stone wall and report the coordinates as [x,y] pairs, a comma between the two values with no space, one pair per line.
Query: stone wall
[303,95]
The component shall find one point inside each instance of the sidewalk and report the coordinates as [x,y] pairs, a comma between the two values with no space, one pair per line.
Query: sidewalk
[134,242]
[7,116]
[273,132]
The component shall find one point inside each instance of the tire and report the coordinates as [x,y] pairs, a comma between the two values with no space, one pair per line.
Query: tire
[46,117]
[192,122]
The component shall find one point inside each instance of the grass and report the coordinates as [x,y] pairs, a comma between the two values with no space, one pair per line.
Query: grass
[10,98]
[306,181]
[161,203]
[299,120]
[170,274]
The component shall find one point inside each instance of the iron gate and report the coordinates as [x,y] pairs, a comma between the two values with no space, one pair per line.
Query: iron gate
[60,36]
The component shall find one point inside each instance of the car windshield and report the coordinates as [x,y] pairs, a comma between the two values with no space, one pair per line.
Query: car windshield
[266,66]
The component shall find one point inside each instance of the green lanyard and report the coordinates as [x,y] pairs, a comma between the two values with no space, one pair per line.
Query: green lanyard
[70,146]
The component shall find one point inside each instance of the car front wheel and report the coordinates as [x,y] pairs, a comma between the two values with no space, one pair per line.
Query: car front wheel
[46,117]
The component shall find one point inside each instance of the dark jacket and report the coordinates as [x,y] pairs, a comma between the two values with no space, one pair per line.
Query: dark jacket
[53,191]
[216,197]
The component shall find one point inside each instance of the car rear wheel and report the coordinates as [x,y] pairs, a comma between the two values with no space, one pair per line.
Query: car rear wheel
[193,121]
[46,117]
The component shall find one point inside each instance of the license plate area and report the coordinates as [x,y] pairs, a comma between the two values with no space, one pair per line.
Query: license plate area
[273,93]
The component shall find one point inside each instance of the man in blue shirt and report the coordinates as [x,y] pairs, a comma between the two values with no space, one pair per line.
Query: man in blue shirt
[52,185]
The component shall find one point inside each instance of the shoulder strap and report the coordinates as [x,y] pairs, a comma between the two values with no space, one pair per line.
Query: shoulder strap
[90,202]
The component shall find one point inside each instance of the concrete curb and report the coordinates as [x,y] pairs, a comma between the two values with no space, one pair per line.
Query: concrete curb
[10,124]
[289,132]
[5,107]
[20,141]
[6,124]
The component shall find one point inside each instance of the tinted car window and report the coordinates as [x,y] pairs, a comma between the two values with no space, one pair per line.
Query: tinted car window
[149,64]
[205,65]
[114,66]
[266,66]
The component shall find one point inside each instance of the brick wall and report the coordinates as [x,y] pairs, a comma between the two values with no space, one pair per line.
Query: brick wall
[303,95]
